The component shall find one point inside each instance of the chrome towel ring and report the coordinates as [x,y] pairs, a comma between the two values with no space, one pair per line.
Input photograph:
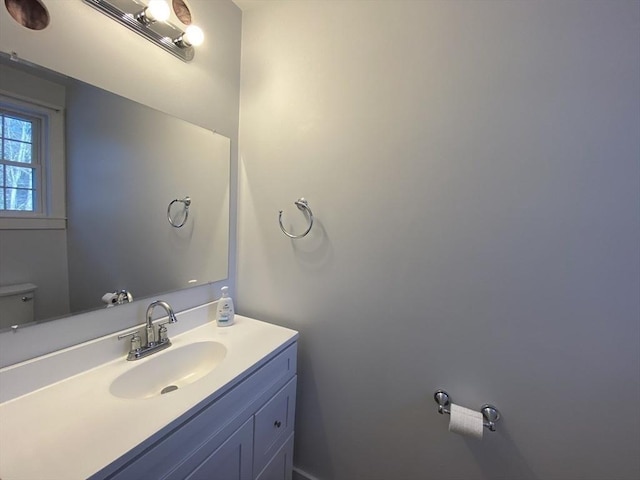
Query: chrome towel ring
[187,202]
[302,204]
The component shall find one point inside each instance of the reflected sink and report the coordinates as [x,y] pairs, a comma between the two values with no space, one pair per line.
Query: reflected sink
[169,370]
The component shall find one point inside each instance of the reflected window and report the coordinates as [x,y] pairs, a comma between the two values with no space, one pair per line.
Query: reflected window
[21,161]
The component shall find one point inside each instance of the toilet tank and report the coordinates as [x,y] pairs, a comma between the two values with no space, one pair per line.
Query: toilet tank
[16,304]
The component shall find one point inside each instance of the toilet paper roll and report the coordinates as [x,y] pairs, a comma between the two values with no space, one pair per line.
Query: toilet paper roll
[110,298]
[466,422]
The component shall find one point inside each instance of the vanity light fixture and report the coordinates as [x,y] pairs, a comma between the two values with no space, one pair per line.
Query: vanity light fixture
[156,11]
[192,37]
[151,20]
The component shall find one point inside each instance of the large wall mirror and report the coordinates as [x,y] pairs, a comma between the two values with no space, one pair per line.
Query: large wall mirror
[122,164]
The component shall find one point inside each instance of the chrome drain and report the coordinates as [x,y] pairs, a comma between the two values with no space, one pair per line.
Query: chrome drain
[168,389]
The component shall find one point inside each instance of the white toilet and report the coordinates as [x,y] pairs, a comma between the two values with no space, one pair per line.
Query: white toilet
[16,304]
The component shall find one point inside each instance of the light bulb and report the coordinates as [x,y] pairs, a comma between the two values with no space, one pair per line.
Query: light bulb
[158,11]
[193,36]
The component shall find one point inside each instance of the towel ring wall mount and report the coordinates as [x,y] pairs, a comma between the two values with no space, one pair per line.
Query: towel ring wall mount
[187,203]
[302,205]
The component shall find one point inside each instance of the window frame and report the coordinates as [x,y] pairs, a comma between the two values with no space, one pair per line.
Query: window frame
[50,193]
[38,161]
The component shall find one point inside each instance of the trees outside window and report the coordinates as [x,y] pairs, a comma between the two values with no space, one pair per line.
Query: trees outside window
[20,162]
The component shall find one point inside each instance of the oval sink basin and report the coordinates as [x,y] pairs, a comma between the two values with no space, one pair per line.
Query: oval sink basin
[169,370]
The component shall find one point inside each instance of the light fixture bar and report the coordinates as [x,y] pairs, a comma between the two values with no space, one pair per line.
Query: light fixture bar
[162,34]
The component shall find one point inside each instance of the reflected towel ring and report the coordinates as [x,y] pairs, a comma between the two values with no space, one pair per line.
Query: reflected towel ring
[302,204]
[187,203]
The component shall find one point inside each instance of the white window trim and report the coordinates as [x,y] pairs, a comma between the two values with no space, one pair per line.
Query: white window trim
[53,214]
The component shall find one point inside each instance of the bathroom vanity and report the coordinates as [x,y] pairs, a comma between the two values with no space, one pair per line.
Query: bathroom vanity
[227,411]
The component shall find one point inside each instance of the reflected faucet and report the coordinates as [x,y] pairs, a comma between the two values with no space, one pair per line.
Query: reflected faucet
[123,296]
[154,343]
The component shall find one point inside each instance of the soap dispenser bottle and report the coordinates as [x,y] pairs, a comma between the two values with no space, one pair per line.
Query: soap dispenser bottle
[225,313]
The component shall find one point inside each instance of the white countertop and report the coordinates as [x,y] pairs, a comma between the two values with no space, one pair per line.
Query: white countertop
[75,427]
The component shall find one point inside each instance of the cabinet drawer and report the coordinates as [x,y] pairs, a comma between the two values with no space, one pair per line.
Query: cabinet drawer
[273,425]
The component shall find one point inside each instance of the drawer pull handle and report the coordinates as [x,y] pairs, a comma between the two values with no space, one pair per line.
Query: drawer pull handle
[277,424]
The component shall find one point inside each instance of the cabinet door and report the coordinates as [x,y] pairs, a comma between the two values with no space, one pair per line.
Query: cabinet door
[232,460]
[281,465]
[274,424]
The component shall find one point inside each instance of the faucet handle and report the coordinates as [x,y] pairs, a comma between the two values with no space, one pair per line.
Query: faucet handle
[136,341]
[162,332]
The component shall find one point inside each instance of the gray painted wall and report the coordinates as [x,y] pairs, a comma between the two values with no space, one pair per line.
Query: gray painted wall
[38,257]
[125,165]
[474,172]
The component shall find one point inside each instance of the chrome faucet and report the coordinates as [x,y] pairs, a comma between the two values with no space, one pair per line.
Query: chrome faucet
[123,296]
[155,341]
[151,333]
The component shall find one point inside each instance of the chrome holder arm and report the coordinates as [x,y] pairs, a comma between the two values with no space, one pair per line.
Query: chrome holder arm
[303,205]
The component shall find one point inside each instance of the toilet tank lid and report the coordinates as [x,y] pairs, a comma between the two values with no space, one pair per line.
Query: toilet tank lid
[17,289]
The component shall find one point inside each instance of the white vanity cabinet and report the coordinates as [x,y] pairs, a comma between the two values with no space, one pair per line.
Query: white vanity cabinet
[245,433]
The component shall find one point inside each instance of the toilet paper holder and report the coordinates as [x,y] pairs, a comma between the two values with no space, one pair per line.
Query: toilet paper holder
[490,413]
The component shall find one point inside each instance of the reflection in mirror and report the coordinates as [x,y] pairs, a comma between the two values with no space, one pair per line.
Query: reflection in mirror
[104,187]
